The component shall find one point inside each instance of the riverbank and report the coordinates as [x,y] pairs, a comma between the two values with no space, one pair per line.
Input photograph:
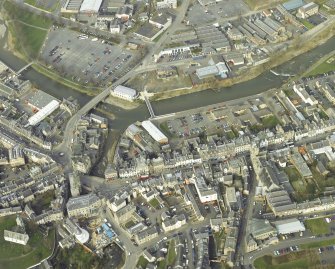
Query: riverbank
[90,91]
[276,60]
[281,57]
[112,100]
[313,69]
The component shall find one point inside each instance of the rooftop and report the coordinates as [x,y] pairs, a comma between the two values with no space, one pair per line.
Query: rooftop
[82,201]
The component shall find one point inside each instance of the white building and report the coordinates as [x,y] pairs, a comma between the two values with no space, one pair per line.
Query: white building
[305,97]
[220,69]
[154,132]
[308,10]
[43,113]
[124,93]
[17,238]
[289,226]
[90,6]
[174,223]
[166,4]
[80,234]
[205,193]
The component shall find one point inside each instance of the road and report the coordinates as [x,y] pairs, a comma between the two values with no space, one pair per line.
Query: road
[246,217]
[175,24]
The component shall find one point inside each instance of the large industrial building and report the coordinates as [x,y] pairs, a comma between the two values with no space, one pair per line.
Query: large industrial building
[289,226]
[154,132]
[124,93]
[220,69]
[43,113]
[90,6]
[39,99]
[293,4]
[71,6]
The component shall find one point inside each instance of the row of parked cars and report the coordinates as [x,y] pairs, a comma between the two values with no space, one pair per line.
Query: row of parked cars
[329,248]
[285,250]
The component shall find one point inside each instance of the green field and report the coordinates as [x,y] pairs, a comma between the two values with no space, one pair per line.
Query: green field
[45,5]
[28,30]
[154,203]
[298,260]
[318,244]
[307,24]
[270,122]
[14,256]
[170,258]
[254,4]
[142,262]
[325,67]
[42,201]
[317,226]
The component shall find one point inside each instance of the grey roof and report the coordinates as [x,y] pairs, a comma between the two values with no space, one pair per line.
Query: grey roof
[260,226]
[293,4]
[82,201]
[40,99]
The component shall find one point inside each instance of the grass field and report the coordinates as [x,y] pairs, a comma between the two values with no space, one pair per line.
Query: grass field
[14,256]
[270,122]
[317,226]
[307,24]
[298,260]
[318,244]
[170,257]
[25,30]
[325,67]
[142,262]
[154,203]
[255,4]
[42,201]
[45,5]
[78,258]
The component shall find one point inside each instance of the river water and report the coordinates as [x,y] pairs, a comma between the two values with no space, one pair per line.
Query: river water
[124,118]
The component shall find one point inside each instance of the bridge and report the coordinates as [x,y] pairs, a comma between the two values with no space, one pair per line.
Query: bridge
[151,111]
[69,129]
[281,74]
[24,68]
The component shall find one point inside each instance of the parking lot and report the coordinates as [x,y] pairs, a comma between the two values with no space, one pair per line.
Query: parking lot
[198,15]
[85,59]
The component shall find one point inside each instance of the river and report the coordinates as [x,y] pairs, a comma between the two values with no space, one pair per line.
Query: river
[124,118]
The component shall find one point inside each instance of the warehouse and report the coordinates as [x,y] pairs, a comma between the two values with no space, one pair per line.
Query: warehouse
[90,6]
[71,6]
[43,113]
[154,132]
[125,93]
[289,226]
[293,4]
[220,69]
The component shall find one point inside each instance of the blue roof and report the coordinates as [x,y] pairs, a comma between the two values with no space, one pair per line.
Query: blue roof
[293,4]
[108,231]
